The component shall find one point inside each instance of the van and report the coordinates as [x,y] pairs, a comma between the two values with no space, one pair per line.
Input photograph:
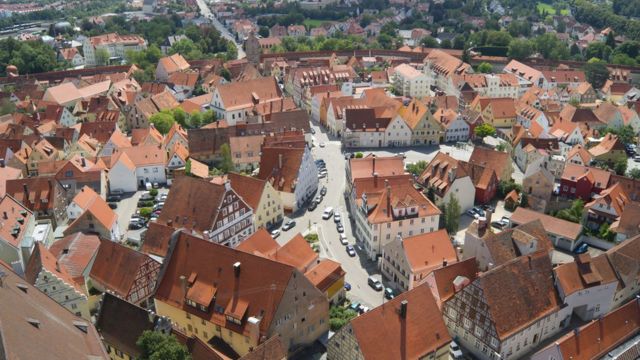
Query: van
[374,283]
[328,213]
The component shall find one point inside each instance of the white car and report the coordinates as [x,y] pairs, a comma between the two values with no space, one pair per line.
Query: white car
[322,144]
[343,239]
[327,214]
[275,233]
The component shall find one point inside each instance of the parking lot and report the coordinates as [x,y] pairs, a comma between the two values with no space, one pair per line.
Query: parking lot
[127,207]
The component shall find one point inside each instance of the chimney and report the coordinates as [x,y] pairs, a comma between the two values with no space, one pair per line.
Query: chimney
[576,335]
[26,191]
[375,179]
[83,162]
[280,161]
[236,269]
[1,163]
[403,309]
[374,165]
[444,262]
[183,285]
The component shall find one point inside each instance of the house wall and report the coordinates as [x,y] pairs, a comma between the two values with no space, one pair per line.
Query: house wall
[88,223]
[590,303]
[395,267]
[307,183]
[302,315]
[122,178]
[427,132]
[463,190]
[397,133]
[151,173]
[270,210]
[344,345]
[383,233]
[12,256]
[457,131]
[63,293]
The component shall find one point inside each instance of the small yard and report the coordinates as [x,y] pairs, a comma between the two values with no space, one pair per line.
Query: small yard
[548,8]
[313,23]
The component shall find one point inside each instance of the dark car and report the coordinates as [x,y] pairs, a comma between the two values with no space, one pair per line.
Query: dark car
[581,249]
[489,208]
[497,225]
[313,131]
[340,228]
[347,286]
[388,293]
[323,191]
[313,205]
[113,205]
[114,198]
[288,225]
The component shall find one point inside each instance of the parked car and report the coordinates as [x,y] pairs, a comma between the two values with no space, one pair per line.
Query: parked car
[497,225]
[478,211]
[454,350]
[323,191]
[636,158]
[113,205]
[473,214]
[156,185]
[340,228]
[275,233]
[388,293]
[375,283]
[581,249]
[337,218]
[318,198]
[350,250]
[313,205]
[328,213]
[135,224]
[322,144]
[489,208]
[114,198]
[313,131]
[343,239]
[148,186]
[347,286]
[146,196]
[322,175]
[289,224]
[354,306]
[363,309]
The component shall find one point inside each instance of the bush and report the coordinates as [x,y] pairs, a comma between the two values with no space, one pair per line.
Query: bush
[146,212]
[359,155]
[339,316]
[145,204]
[153,192]
[311,238]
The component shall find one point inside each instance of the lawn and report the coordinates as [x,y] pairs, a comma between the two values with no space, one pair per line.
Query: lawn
[312,23]
[549,9]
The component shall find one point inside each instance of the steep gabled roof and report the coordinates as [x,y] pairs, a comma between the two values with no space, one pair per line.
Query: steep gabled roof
[383,333]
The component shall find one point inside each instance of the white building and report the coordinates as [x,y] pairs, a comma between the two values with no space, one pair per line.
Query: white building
[388,208]
[447,178]
[408,81]
[135,166]
[233,102]
[116,46]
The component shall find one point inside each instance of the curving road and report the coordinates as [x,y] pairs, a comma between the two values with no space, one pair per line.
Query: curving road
[206,13]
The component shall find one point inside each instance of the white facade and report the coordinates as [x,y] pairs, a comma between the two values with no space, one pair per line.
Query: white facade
[458,130]
[115,49]
[122,178]
[592,302]
[463,190]
[495,90]
[307,183]
[63,293]
[67,119]
[73,211]
[176,162]
[410,82]
[397,133]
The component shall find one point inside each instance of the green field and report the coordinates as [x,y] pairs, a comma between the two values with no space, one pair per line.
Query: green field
[549,9]
[312,23]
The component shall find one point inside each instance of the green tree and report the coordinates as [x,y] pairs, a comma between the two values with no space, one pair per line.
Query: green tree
[520,49]
[429,42]
[452,215]
[485,68]
[102,57]
[620,166]
[263,31]
[163,121]
[195,120]
[596,72]
[484,130]
[610,41]
[626,134]
[226,162]
[7,107]
[574,213]
[158,346]
[180,117]
[597,49]
[187,48]
[550,47]
[458,42]
[359,155]
[606,233]
[501,147]
[208,117]
[634,173]
[505,187]
[446,44]
[28,56]
[417,168]
[339,316]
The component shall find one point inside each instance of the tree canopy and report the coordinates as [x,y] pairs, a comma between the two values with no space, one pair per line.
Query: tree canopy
[28,56]
[158,346]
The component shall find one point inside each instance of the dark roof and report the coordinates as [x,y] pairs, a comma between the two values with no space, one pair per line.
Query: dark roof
[192,204]
[121,323]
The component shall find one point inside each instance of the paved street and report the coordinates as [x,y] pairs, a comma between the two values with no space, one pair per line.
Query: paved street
[357,268]
[126,208]
[206,12]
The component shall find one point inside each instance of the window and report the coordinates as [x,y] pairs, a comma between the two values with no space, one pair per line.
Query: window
[68,173]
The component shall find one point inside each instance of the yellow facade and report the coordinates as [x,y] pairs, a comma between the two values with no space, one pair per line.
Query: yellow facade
[117,354]
[203,329]
[270,209]
[612,156]
[335,289]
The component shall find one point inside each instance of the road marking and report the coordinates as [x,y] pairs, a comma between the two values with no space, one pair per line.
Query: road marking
[323,241]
